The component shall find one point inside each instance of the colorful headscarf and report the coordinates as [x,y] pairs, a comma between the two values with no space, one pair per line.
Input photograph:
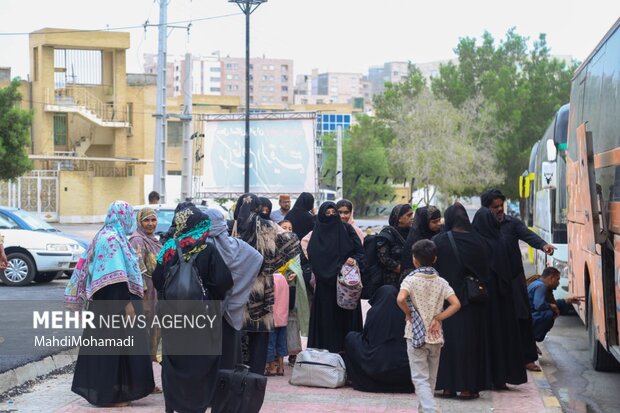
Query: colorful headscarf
[191,229]
[147,246]
[110,259]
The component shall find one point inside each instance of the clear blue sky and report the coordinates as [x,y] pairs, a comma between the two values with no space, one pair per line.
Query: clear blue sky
[332,35]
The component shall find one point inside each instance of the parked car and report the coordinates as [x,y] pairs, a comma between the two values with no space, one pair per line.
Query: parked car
[37,256]
[165,214]
[14,218]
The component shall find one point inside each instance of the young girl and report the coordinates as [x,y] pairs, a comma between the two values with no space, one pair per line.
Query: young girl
[277,338]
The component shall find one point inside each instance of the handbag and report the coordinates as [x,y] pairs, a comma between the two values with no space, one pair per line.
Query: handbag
[349,287]
[318,368]
[239,391]
[475,289]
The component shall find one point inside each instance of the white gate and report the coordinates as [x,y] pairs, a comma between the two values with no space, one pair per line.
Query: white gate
[36,192]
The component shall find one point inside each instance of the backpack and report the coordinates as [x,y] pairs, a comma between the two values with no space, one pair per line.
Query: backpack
[182,281]
[372,275]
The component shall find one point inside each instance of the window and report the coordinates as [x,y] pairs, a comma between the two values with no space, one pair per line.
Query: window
[215,79]
[236,77]
[271,67]
[175,134]
[284,78]
[60,129]
[215,69]
[129,118]
[7,223]
[284,68]
[215,89]
[284,88]
[35,55]
[285,99]
[232,87]
[229,77]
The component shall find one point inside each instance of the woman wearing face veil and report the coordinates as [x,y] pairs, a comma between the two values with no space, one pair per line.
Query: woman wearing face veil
[462,366]
[332,244]
[376,359]
[504,352]
[188,380]
[426,224]
[277,248]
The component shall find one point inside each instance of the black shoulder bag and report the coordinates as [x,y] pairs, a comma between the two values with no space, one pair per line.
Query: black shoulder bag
[475,289]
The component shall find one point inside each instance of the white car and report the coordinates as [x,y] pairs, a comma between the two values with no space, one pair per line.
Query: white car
[37,256]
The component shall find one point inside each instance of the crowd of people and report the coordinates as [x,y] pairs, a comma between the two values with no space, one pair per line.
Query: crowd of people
[276,274]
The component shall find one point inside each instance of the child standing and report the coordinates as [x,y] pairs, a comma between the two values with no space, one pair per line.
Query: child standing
[277,338]
[427,292]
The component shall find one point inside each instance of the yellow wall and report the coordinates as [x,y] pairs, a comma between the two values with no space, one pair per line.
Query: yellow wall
[85,199]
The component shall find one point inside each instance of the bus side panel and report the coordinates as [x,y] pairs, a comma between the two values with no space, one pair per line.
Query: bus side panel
[617,278]
[576,265]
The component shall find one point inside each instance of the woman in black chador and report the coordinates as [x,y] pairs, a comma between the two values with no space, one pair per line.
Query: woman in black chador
[391,243]
[426,224]
[188,380]
[376,358]
[462,366]
[332,244]
[504,353]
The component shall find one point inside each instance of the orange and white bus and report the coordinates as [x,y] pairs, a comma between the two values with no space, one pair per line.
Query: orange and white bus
[593,183]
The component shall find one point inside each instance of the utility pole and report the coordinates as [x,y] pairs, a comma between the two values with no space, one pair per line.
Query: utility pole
[159,167]
[339,171]
[186,117]
[247,7]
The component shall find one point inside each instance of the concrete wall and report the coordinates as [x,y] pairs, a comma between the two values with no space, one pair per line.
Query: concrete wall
[85,199]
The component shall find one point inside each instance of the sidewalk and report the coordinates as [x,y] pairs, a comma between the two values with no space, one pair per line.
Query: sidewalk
[55,395]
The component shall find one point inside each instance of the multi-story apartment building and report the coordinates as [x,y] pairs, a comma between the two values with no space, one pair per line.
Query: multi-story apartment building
[271,81]
[206,74]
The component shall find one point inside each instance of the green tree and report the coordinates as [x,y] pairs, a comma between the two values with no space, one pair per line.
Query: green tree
[446,149]
[364,159]
[524,87]
[14,133]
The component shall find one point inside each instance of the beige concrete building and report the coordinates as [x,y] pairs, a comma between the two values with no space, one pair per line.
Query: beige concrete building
[93,127]
[271,80]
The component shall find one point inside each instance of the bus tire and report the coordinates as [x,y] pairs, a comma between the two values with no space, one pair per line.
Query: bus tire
[601,359]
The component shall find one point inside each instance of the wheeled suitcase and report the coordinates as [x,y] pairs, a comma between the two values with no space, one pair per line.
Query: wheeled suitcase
[239,391]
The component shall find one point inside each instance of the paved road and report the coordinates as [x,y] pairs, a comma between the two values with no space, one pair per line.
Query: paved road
[567,366]
[16,306]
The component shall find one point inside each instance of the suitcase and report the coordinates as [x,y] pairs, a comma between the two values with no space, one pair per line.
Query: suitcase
[239,391]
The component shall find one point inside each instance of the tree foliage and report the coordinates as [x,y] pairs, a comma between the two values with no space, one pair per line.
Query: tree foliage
[14,133]
[525,88]
[449,149]
[364,159]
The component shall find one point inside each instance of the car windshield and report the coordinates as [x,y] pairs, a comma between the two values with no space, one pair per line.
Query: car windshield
[36,223]
[6,223]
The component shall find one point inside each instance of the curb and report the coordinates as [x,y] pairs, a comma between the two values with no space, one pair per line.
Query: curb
[19,376]
[551,402]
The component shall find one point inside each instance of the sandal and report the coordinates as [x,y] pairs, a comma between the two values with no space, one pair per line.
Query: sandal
[447,395]
[533,367]
[468,395]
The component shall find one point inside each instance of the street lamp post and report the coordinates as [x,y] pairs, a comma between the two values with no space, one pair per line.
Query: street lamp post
[247,7]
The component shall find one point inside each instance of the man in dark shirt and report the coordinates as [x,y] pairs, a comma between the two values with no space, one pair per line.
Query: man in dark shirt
[512,231]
